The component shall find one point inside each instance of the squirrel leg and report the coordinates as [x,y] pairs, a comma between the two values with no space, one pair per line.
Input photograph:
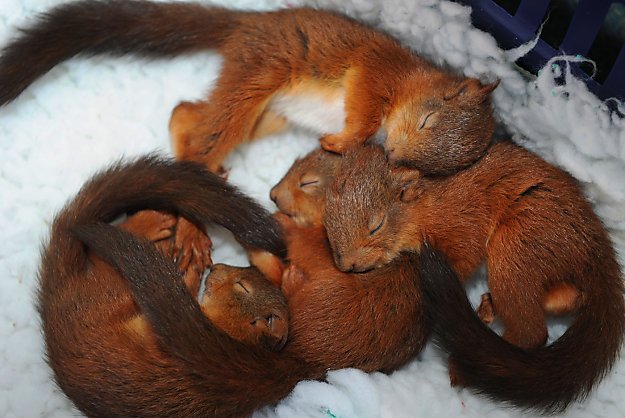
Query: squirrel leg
[363,112]
[517,296]
[206,131]
[191,249]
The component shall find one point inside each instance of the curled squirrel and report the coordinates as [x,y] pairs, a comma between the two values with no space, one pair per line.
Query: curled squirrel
[340,319]
[108,353]
[314,68]
[545,249]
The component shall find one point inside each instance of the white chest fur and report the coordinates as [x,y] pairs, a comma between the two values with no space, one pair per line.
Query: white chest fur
[310,105]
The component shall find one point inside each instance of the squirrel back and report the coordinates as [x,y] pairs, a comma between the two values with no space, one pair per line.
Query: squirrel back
[373,321]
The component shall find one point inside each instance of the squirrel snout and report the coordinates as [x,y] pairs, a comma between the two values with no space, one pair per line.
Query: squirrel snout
[343,263]
[273,195]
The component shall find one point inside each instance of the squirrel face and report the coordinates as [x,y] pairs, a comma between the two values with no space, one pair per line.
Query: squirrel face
[246,306]
[441,134]
[301,192]
[365,210]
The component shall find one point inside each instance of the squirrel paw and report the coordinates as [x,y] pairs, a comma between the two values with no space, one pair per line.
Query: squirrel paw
[269,265]
[192,247]
[150,224]
[486,311]
[334,143]
[285,221]
[292,280]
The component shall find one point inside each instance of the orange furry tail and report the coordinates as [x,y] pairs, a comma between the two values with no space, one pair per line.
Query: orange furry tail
[115,27]
[546,379]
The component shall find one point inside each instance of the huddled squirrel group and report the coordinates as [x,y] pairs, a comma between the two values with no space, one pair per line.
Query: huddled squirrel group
[364,260]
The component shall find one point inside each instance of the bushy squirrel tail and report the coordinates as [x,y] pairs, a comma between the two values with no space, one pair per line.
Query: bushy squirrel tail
[114,27]
[546,379]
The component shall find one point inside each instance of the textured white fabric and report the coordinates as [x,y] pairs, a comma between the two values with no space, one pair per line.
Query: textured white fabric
[87,113]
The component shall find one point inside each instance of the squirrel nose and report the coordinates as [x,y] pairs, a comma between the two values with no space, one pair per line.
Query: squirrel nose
[343,264]
[390,153]
[273,195]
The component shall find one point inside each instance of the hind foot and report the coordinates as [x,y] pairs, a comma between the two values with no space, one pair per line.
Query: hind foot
[486,311]
[190,140]
[150,224]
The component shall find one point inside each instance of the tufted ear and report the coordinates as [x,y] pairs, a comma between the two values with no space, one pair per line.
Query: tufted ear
[471,89]
[408,182]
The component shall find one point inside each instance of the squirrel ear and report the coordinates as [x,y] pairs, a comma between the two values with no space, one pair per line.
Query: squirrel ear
[408,181]
[488,88]
[471,88]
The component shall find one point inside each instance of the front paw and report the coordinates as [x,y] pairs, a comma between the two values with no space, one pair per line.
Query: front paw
[335,143]
[454,377]
[268,264]
[192,247]
[285,221]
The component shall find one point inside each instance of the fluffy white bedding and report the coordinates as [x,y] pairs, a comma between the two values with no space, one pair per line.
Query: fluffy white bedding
[89,112]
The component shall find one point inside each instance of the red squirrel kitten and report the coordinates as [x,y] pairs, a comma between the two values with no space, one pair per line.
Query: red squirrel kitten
[545,249]
[314,68]
[108,354]
[341,319]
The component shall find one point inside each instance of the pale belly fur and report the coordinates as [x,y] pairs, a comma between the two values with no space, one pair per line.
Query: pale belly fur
[312,105]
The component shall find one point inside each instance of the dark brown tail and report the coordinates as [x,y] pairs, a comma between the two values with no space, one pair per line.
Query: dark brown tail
[115,27]
[209,374]
[184,188]
[546,379]
[234,379]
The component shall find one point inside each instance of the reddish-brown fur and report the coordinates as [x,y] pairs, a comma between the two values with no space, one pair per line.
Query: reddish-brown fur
[248,307]
[239,306]
[340,319]
[143,346]
[300,194]
[372,321]
[434,120]
[532,226]
[111,362]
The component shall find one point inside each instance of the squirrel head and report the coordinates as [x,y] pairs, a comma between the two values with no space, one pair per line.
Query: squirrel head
[301,192]
[443,131]
[366,209]
[246,306]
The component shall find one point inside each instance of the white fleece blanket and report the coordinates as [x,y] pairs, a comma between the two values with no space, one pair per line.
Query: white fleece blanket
[89,112]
